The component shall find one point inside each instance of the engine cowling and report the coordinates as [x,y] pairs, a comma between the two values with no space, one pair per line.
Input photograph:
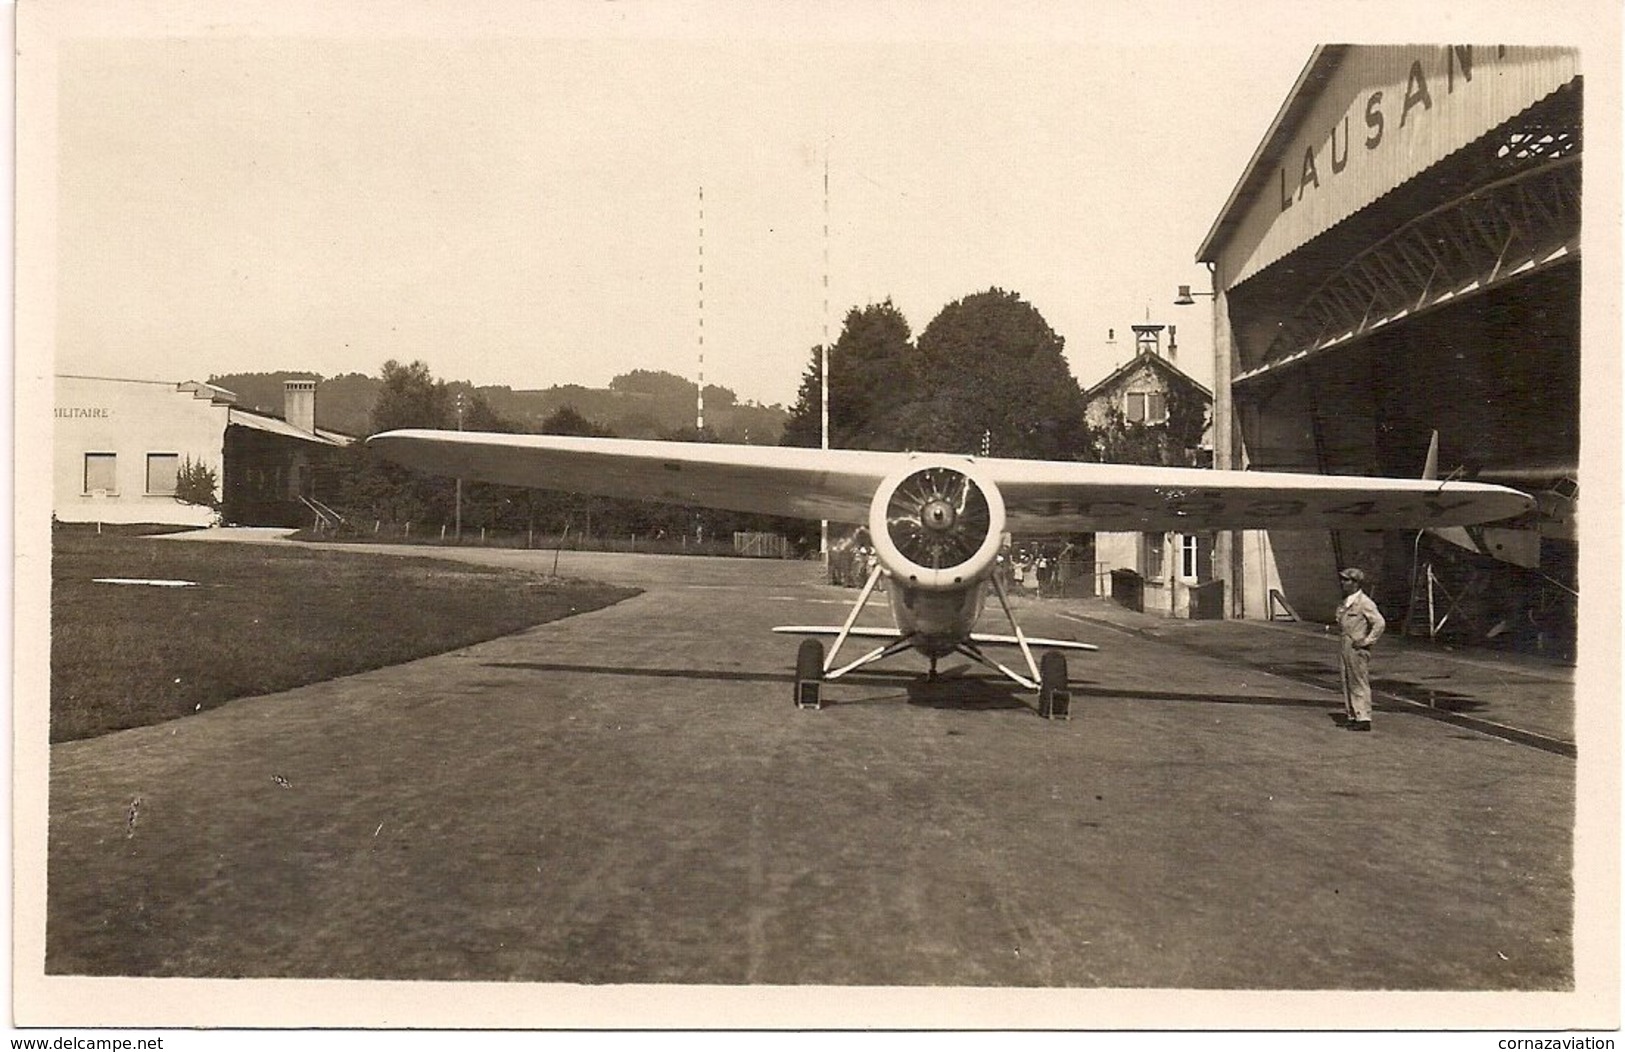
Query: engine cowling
[937,523]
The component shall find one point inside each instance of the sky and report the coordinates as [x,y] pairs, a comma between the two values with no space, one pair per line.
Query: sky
[538,195]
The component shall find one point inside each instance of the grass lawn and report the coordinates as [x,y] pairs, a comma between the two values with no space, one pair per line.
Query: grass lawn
[260,618]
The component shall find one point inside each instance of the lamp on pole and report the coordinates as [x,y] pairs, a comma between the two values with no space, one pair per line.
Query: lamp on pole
[1227,544]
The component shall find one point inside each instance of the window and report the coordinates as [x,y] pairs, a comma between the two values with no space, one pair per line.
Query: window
[101,473]
[1151,545]
[162,468]
[1146,407]
[1187,557]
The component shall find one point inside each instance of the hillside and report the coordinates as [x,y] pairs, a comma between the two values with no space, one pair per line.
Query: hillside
[638,404]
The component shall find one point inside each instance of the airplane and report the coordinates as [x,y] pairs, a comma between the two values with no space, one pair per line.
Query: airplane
[1556,495]
[937,520]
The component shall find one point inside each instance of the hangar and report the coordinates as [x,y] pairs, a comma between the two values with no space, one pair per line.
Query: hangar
[1402,256]
[120,446]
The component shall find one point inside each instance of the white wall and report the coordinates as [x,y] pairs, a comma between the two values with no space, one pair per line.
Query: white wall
[1259,574]
[1169,594]
[130,419]
[1115,551]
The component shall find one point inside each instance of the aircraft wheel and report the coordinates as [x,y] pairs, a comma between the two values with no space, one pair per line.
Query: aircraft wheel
[809,674]
[1054,699]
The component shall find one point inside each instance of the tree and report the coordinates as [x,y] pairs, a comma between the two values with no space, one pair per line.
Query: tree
[1189,414]
[411,397]
[717,397]
[871,379]
[987,368]
[993,371]
[665,387]
[655,383]
[806,424]
[566,421]
[369,487]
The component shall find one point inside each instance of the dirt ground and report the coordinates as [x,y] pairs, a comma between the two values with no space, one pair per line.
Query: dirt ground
[629,796]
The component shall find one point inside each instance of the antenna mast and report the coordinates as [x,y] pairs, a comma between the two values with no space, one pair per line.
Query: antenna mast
[699,403]
[823,365]
[823,369]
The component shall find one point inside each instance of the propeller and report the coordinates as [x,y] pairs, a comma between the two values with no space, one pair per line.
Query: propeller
[938,518]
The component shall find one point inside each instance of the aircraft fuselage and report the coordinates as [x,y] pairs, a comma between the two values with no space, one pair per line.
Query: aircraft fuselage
[938,619]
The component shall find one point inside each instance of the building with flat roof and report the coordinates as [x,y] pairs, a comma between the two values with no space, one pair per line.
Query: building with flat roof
[121,445]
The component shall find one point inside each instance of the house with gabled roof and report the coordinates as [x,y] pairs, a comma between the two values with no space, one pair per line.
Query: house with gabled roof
[1147,391]
[1148,411]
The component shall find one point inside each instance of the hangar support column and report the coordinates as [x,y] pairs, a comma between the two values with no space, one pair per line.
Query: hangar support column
[1226,543]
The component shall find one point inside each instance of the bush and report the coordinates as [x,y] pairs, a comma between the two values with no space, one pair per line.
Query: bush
[196,483]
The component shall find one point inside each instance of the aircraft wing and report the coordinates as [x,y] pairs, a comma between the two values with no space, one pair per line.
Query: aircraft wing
[1040,496]
[1051,497]
[774,480]
[984,638]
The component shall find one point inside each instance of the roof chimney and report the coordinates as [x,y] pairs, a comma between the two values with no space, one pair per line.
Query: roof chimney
[1173,348]
[299,404]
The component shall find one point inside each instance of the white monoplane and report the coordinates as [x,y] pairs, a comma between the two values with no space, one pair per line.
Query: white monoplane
[937,520]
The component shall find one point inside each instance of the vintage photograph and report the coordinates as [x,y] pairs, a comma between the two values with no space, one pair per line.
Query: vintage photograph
[619,515]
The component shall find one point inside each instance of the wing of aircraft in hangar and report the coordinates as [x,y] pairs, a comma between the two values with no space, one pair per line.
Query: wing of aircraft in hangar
[1555,493]
[937,520]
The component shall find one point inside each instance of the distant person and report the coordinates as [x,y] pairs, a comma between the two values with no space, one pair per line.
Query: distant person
[1360,624]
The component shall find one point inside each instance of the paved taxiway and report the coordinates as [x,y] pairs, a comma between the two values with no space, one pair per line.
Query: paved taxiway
[629,796]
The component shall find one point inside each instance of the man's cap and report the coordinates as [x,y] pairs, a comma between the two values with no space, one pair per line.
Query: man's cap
[1353,573]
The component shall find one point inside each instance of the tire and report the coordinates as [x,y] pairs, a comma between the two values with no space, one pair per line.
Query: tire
[809,674]
[1054,699]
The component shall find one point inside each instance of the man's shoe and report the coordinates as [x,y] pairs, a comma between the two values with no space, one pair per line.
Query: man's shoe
[1359,725]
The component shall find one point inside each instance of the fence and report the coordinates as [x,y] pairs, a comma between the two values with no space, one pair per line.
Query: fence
[762,546]
[378,531]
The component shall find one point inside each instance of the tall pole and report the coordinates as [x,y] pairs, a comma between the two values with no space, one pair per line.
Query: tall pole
[823,364]
[459,512]
[823,369]
[699,403]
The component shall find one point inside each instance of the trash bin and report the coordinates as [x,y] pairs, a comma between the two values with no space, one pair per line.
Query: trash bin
[1128,590]
[1207,601]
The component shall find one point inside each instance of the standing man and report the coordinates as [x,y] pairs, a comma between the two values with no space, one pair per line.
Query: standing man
[1360,624]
